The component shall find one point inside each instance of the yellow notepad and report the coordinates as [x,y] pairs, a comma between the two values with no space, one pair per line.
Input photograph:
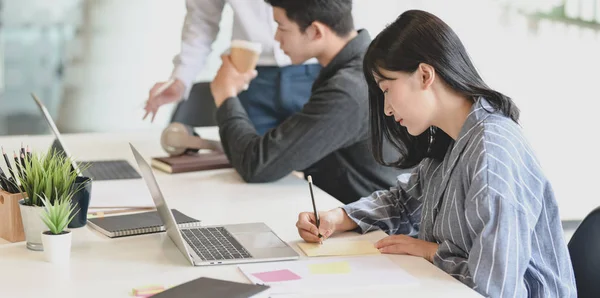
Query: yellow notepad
[338,248]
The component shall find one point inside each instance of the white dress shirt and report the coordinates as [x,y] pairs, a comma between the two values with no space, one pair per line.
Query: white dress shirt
[252,20]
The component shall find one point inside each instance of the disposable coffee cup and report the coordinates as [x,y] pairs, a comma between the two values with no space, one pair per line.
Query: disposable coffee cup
[244,54]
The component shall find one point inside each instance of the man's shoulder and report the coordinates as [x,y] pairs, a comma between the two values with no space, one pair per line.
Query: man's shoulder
[348,80]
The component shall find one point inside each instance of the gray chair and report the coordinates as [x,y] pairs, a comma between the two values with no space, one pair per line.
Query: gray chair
[199,109]
[584,249]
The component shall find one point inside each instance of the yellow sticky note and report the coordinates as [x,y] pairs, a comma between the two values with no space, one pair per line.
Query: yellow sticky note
[338,248]
[147,290]
[330,268]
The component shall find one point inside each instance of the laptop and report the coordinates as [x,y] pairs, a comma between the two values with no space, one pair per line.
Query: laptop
[215,245]
[95,170]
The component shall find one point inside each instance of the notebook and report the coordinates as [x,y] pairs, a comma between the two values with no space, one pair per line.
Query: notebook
[137,223]
[191,162]
[205,287]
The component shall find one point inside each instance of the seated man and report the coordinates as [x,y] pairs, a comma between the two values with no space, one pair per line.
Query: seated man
[329,138]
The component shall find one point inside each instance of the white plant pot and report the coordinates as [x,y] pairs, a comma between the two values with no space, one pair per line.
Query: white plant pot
[33,225]
[57,248]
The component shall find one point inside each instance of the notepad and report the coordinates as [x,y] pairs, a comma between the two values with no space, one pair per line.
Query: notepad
[191,162]
[137,223]
[205,287]
[338,248]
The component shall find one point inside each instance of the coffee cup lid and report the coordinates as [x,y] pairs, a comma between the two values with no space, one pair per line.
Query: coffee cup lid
[252,46]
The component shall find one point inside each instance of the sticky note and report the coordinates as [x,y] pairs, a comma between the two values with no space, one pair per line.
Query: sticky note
[330,268]
[338,248]
[277,276]
[147,291]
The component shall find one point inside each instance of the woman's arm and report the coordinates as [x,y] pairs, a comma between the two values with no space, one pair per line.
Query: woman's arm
[395,211]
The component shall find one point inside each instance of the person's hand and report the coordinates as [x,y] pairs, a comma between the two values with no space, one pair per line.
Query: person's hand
[229,81]
[406,245]
[307,226]
[156,98]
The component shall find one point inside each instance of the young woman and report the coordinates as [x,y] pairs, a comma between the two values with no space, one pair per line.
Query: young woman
[477,205]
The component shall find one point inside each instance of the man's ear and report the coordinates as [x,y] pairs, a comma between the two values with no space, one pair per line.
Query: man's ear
[426,75]
[316,30]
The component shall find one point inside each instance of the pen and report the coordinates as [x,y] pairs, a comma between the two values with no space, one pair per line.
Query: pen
[317,220]
[160,90]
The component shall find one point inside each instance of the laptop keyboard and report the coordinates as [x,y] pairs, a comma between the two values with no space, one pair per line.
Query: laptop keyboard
[215,244]
[109,170]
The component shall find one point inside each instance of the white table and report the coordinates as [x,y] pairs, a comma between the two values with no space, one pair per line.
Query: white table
[104,267]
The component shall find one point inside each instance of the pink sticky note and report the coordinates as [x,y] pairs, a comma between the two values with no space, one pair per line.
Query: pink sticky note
[277,276]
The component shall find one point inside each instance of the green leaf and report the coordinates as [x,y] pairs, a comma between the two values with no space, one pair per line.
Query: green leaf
[48,175]
[57,216]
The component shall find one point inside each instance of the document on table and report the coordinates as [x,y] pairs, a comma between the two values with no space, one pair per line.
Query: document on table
[330,275]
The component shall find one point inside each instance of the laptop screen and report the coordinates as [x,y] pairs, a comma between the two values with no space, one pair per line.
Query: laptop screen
[161,205]
[58,144]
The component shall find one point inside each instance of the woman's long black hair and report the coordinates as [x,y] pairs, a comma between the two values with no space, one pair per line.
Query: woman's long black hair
[421,37]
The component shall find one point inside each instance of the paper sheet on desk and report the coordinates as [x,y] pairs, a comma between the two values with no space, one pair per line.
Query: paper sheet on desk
[329,275]
[120,194]
[338,248]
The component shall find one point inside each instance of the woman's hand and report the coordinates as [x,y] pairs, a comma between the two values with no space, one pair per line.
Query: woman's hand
[335,220]
[406,245]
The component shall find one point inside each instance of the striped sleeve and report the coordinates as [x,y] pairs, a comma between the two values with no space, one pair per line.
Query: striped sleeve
[395,211]
[499,228]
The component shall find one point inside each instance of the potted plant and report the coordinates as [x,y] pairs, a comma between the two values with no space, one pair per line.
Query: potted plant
[49,176]
[57,240]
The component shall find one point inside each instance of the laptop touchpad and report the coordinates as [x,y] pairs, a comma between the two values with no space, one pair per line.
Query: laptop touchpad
[260,240]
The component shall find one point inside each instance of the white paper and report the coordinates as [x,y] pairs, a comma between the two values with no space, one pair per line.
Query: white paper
[120,194]
[365,271]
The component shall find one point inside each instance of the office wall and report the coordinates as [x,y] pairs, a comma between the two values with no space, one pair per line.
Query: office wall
[549,73]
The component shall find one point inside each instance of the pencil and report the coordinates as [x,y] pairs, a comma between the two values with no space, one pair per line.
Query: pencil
[10,170]
[22,158]
[123,207]
[24,166]
[317,219]
[2,183]
[102,213]
[18,165]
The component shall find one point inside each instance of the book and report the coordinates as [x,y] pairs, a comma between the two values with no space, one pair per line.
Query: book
[137,223]
[205,287]
[191,162]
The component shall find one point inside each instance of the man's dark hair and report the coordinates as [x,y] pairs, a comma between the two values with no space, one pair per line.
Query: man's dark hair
[335,14]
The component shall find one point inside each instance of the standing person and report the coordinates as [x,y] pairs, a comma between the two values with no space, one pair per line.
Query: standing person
[279,90]
[478,204]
